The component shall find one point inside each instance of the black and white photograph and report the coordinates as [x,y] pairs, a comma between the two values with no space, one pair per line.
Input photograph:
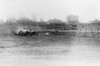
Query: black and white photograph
[49,32]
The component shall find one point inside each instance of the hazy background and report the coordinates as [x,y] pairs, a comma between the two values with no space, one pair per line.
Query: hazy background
[86,9]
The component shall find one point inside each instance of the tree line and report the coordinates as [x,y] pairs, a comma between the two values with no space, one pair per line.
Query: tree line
[51,24]
[71,23]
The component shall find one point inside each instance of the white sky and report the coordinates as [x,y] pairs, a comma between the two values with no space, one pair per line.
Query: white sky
[86,9]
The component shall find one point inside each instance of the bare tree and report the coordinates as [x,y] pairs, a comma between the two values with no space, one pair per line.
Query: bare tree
[72,21]
[72,18]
